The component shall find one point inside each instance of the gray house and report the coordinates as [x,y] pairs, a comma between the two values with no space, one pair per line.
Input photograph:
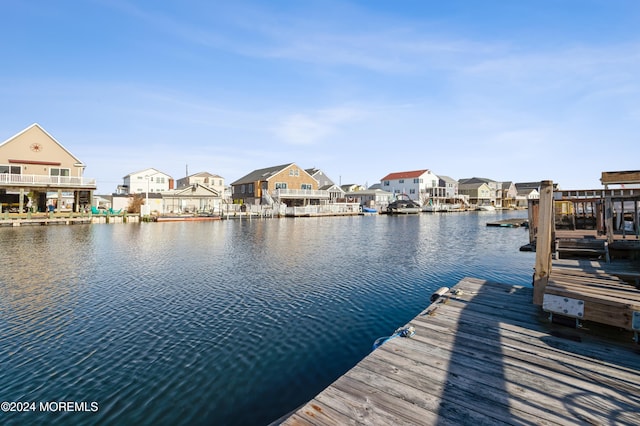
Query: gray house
[450,186]
[496,189]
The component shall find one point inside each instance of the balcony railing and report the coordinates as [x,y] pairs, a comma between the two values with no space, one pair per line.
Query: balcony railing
[46,181]
[299,193]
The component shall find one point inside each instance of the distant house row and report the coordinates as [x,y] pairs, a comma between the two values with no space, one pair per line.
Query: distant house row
[295,186]
[36,169]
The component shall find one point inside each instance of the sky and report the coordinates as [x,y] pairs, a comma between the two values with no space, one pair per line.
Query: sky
[524,90]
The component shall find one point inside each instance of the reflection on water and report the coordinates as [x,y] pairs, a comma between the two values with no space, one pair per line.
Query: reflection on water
[221,322]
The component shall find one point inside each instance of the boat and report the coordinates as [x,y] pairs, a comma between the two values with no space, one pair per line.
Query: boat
[434,208]
[486,208]
[369,210]
[404,205]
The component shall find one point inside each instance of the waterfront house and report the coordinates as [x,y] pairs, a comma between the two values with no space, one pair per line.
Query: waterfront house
[335,192]
[286,183]
[206,179]
[147,181]
[192,199]
[351,187]
[479,193]
[450,186]
[372,198]
[326,184]
[525,194]
[418,185]
[509,193]
[33,164]
[495,187]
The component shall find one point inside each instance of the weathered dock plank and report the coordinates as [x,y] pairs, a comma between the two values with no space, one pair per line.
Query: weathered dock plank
[604,297]
[484,354]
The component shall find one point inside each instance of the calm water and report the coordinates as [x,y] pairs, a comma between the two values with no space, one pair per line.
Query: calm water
[230,323]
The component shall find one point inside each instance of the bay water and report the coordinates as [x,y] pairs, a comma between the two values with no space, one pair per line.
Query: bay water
[220,323]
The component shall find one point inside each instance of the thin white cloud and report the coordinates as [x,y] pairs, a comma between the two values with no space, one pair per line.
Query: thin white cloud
[309,129]
[388,47]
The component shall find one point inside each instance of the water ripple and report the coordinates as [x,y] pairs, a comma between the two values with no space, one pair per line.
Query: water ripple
[222,322]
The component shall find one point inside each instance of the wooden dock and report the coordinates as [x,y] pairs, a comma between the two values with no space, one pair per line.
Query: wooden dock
[46,220]
[484,354]
[509,223]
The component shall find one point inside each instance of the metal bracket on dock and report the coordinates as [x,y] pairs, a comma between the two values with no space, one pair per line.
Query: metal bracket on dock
[563,306]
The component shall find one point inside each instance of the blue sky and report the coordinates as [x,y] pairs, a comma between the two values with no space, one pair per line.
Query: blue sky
[509,90]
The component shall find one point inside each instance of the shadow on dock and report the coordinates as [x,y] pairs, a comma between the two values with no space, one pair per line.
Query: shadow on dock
[484,354]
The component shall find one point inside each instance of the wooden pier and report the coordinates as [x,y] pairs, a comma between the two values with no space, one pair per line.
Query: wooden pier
[49,219]
[45,220]
[484,354]
[564,351]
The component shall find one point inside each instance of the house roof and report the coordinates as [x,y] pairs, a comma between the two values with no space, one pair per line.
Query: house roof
[405,175]
[476,180]
[195,190]
[527,185]
[330,187]
[262,174]
[349,186]
[37,126]
[526,191]
[156,171]
[447,179]
[471,185]
[204,174]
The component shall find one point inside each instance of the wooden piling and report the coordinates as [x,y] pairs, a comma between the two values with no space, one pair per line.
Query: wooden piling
[544,241]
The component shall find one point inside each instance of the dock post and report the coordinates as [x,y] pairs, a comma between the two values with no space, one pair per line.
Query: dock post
[543,241]
[608,217]
[532,214]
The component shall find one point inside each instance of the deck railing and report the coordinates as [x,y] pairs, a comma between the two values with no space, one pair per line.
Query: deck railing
[323,209]
[43,180]
[299,193]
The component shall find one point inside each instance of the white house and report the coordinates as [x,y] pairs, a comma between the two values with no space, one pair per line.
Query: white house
[206,179]
[416,184]
[147,181]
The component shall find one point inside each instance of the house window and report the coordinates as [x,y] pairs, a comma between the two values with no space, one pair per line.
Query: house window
[281,185]
[306,186]
[12,170]
[55,171]
[401,181]
[242,189]
[386,183]
[412,191]
[250,188]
